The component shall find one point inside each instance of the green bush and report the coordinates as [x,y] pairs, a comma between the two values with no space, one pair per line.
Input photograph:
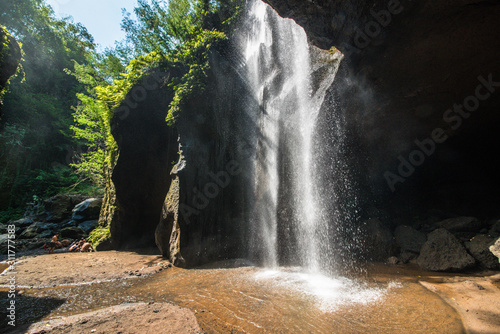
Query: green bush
[45,184]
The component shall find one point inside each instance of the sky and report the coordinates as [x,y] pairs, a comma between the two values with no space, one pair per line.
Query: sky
[101,17]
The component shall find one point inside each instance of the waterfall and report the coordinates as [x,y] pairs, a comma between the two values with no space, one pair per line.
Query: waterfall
[289,224]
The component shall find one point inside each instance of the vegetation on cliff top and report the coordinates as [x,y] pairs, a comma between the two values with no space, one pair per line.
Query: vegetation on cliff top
[55,135]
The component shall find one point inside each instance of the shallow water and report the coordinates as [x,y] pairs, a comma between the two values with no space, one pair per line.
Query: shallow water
[253,300]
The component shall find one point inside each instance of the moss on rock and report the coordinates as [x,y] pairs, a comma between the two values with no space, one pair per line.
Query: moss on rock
[99,236]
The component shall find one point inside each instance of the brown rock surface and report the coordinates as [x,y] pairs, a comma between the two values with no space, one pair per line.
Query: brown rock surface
[477,300]
[144,318]
[76,268]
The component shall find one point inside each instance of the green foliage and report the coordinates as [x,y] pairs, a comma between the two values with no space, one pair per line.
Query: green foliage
[35,128]
[10,56]
[194,53]
[99,235]
[93,114]
[70,91]
[47,183]
[183,34]
[11,214]
[162,27]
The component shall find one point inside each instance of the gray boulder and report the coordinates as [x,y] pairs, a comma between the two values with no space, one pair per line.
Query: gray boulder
[72,232]
[479,248]
[495,249]
[34,243]
[87,210]
[409,239]
[461,224]
[23,222]
[4,239]
[88,226]
[70,223]
[45,234]
[35,229]
[60,207]
[379,241]
[444,252]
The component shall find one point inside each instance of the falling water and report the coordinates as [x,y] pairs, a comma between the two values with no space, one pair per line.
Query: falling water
[279,71]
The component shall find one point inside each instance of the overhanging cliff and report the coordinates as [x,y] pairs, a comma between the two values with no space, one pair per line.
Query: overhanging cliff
[408,63]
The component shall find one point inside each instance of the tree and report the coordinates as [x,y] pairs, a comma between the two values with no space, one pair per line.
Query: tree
[35,128]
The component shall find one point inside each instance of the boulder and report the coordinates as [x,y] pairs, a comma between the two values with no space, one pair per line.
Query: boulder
[409,239]
[35,243]
[45,234]
[72,232]
[35,229]
[479,248]
[23,222]
[461,224]
[87,210]
[70,223]
[88,226]
[104,246]
[4,243]
[495,249]
[444,252]
[494,231]
[60,207]
[379,243]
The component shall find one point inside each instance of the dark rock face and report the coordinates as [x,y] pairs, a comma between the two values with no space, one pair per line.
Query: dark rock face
[379,243]
[87,210]
[23,222]
[35,229]
[88,226]
[460,224]
[167,234]
[398,81]
[72,232]
[205,196]
[146,148]
[479,248]
[444,252]
[394,88]
[215,189]
[495,229]
[409,239]
[60,207]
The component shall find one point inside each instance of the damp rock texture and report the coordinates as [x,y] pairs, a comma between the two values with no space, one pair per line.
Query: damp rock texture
[444,252]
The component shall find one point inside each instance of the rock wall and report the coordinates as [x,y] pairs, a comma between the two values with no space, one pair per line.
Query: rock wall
[407,64]
[216,169]
[184,187]
[146,150]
